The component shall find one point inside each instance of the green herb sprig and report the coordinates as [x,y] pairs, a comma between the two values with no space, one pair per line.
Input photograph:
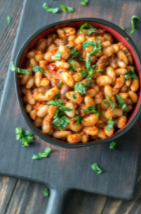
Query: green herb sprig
[8,19]
[60,120]
[81,87]
[132,22]
[44,154]
[122,103]
[83,3]
[132,75]
[19,70]
[58,56]
[37,68]
[69,9]
[25,137]
[46,192]
[110,124]
[58,102]
[96,168]
[51,10]
[112,145]
[110,101]
[79,120]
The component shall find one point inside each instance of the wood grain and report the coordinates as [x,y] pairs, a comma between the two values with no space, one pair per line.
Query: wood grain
[23,197]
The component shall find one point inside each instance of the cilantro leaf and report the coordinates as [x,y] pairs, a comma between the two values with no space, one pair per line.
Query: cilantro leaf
[85,2]
[85,110]
[85,25]
[112,145]
[37,68]
[59,103]
[57,95]
[58,56]
[88,61]
[8,19]
[79,120]
[110,124]
[42,93]
[97,48]
[110,101]
[74,53]
[90,31]
[96,168]
[60,120]
[132,22]
[81,87]
[72,64]
[74,96]
[19,70]
[44,154]
[25,137]
[46,192]
[93,110]
[51,10]
[122,103]
[88,43]
[84,73]
[132,75]
[122,28]
[61,84]
[80,58]
[91,71]
[69,9]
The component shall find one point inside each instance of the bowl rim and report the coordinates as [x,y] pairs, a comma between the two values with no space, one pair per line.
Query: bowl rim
[35,130]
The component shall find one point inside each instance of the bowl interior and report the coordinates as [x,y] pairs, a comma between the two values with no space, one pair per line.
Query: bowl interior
[118,35]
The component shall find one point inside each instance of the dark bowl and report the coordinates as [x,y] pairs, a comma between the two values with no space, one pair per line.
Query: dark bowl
[118,34]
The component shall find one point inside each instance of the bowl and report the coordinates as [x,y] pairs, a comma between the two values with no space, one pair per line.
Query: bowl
[118,34]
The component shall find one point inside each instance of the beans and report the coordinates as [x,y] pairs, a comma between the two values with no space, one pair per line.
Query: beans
[133,96]
[38,122]
[93,130]
[135,84]
[108,51]
[104,80]
[88,101]
[42,112]
[90,120]
[61,134]
[102,77]
[73,126]
[74,138]
[121,122]
[51,93]
[29,97]
[28,108]
[78,97]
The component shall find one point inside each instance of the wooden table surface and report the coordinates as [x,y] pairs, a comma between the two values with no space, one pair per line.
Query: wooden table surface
[24,197]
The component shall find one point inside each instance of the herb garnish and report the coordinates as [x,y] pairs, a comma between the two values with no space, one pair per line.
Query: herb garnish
[110,101]
[79,120]
[61,84]
[85,25]
[74,96]
[132,22]
[69,9]
[25,137]
[92,110]
[60,120]
[8,19]
[51,10]
[112,145]
[90,31]
[59,103]
[122,103]
[85,2]
[80,87]
[46,192]
[74,53]
[127,38]
[44,154]
[57,95]
[122,28]
[96,168]
[42,93]
[72,64]
[132,75]
[37,68]
[19,70]
[58,56]
[88,62]
[97,48]
[80,58]
[110,124]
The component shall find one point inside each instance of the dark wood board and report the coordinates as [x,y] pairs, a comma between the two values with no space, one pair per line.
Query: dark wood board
[117,181]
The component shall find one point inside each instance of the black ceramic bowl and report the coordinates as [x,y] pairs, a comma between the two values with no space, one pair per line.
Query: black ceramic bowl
[118,34]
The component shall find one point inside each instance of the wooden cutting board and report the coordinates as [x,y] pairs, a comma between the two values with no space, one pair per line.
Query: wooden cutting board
[67,169]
